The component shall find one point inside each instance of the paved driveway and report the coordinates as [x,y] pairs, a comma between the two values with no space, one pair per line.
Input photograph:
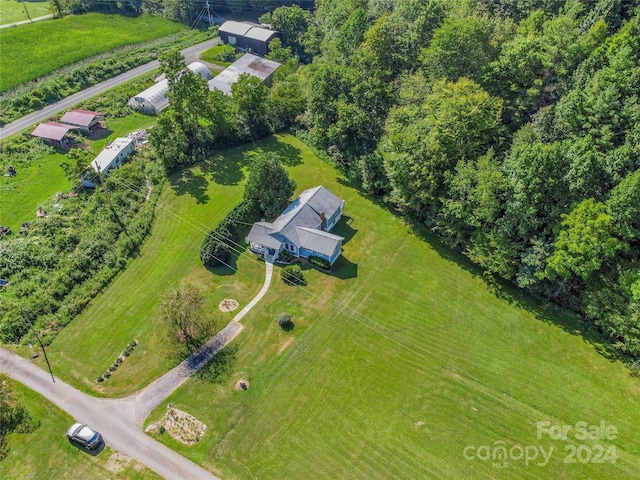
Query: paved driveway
[119,420]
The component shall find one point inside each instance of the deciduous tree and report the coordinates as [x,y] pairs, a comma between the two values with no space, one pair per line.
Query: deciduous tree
[187,324]
[269,185]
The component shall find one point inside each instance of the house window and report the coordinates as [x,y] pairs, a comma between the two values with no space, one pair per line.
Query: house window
[232,40]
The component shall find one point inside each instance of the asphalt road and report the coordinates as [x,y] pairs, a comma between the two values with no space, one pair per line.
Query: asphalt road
[190,54]
[120,420]
[106,417]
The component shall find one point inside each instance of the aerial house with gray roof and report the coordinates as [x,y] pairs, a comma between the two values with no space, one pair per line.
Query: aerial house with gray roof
[302,229]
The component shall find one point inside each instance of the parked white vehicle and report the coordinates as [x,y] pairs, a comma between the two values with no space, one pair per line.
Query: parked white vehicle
[83,435]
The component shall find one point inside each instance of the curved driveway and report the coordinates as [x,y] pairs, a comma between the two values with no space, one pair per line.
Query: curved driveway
[190,54]
[120,420]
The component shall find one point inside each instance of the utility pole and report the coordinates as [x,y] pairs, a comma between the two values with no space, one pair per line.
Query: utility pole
[209,17]
[26,11]
[41,344]
[104,186]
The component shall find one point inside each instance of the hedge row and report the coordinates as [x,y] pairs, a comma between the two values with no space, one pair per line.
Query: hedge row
[320,262]
[219,243]
[114,366]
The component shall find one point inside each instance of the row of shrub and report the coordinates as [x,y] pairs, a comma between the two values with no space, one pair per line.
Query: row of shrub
[114,366]
[320,262]
[220,243]
[285,256]
[34,95]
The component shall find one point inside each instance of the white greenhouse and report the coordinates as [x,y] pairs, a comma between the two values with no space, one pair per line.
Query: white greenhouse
[153,100]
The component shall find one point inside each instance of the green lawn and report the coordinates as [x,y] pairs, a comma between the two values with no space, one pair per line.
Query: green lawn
[70,39]
[34,184]
[46,453]
[191,204]
[213,55]
[12,11]
[399,360]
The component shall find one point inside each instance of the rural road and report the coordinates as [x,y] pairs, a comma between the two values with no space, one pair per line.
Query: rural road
[120,420]
[106,417]
[190,54]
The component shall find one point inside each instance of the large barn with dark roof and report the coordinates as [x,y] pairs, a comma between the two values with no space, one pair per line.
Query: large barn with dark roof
[247,37]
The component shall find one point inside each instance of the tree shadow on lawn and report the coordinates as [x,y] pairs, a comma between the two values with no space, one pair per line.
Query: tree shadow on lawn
[219,369]
[231,265]
[226,168]
[186,181]
[286,153]
[342,268]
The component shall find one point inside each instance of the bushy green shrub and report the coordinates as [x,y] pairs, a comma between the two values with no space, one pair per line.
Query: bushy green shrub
[220,243]
[292,275]
[284,321]
[320,262]
[285,256]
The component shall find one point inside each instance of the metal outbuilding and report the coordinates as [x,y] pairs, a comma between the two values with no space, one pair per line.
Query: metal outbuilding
[248,37]
[153,100]
[251,64]
[82,119]
[110,157]
[52,132]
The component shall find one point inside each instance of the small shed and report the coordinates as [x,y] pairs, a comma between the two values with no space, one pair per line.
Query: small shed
[248,37]
[110,157]
[84,120]
[251,64]
[53,133]
[153,100]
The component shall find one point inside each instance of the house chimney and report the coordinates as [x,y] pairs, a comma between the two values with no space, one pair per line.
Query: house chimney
[323,221]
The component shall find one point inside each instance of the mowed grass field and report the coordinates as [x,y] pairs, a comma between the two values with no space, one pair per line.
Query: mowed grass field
[401,359]
[12,11]
[192,202]
[46,454]
[69,39]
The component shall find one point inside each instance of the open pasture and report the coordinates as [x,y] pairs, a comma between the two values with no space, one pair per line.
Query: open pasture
[70,39]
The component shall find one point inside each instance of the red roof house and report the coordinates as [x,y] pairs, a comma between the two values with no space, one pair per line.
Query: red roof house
[82,119]
[52,132]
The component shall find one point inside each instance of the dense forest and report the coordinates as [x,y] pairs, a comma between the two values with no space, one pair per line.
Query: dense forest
[511,129]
